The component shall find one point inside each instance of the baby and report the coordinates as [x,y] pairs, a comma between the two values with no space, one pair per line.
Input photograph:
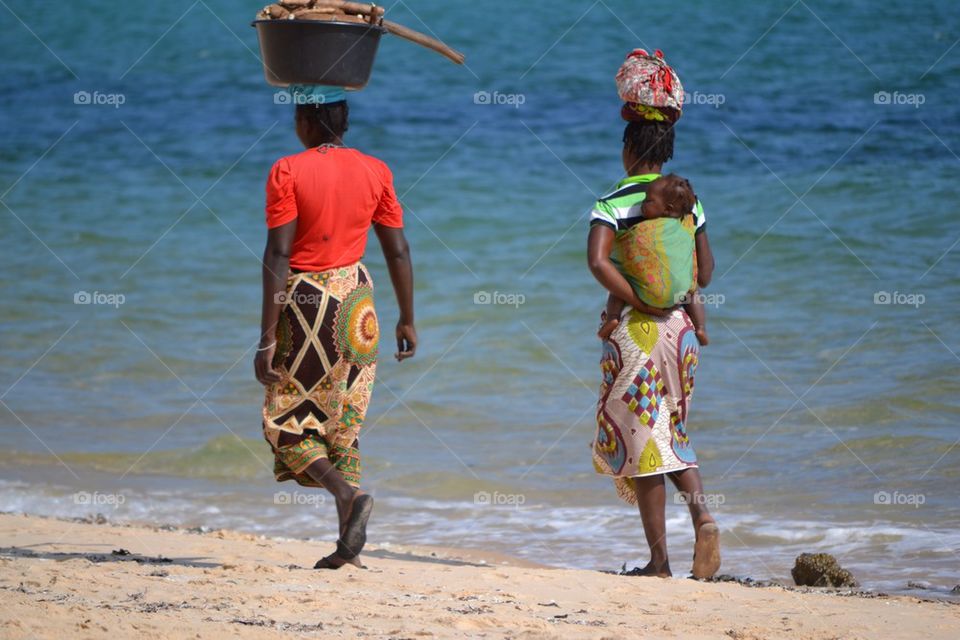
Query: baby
[669,196]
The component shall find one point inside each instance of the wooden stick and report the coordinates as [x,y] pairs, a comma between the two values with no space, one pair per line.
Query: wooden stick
[374,12]
[423,40]
[312,14]
[353,8]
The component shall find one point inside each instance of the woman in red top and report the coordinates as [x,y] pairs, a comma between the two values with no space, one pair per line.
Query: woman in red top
[319,330]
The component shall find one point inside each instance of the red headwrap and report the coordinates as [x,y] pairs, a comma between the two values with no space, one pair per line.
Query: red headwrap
[650,88]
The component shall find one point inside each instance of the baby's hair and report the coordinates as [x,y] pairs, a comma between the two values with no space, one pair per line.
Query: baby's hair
[678,195]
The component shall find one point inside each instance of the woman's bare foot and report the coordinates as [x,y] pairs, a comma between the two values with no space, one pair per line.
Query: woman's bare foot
[706,551]
[334,562]
[651,570]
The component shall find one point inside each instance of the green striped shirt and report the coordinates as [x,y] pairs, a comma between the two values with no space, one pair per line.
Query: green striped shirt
[620,209]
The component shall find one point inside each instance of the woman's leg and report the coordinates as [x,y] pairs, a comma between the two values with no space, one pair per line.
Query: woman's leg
[324,473]
[706,550]
[690,484]
[652,499]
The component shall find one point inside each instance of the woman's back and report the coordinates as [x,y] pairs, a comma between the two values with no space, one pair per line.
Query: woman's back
[335,194]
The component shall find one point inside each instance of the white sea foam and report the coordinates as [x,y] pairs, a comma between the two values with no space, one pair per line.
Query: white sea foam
[584,537]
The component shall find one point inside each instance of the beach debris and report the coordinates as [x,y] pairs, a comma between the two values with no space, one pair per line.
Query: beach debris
[120,552]
[552,603]
[91,519]
[745,581]
[468,609]
[157,560]
[821,570]
[356,12]
[202,529]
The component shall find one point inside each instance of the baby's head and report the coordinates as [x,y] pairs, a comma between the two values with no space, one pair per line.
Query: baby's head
[668,196]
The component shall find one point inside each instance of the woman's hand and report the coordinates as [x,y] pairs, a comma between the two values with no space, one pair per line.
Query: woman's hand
[263,366]
[406,341]
[396,252]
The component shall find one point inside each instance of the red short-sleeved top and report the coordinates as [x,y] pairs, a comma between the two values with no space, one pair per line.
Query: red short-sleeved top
[334,194]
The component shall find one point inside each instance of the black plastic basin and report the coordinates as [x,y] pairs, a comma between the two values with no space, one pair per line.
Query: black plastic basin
[340,54]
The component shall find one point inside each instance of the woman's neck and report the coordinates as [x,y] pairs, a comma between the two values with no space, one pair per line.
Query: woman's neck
[336,142]
[644,169]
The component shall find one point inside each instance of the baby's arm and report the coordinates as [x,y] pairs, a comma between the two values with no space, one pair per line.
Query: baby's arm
[698,315]
[611,316]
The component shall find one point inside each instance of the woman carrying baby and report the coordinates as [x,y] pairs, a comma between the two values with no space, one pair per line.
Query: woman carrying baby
[651,258]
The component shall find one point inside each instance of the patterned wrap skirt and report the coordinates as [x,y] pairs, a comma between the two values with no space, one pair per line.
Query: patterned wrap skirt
[648,366]
[327,342]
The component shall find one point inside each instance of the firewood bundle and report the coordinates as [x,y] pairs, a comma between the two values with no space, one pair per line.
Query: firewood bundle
[352,12]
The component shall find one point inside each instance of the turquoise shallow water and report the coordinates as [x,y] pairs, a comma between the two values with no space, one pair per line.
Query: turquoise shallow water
[103,199]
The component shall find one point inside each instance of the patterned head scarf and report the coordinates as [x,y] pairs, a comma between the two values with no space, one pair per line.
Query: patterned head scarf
[650,88]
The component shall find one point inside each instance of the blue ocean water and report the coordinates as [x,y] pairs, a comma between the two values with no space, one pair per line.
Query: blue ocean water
[822,138]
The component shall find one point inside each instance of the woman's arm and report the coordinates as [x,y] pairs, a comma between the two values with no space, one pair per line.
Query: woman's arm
[705,261]
[396,252]
[599,248]
[276,266]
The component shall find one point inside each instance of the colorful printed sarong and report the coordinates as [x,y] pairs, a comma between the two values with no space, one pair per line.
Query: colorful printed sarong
[327,343]
[648,366]
[658,259]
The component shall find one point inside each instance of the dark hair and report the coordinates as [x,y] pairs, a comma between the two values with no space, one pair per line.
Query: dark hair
[649,142]
[679,198]
[327,122]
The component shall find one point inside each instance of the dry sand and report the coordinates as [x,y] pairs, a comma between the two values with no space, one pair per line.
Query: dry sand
[60,579]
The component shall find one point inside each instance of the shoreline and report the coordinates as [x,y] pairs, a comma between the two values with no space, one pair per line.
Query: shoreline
[75,578]
[755,548]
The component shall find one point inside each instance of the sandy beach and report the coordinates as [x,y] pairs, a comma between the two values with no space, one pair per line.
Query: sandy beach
[83,580]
